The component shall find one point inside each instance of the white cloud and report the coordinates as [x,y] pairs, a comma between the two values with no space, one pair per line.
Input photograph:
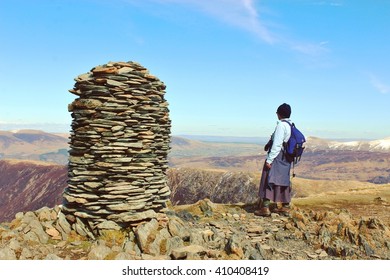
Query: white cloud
[311,49]
[379,85]
[329,3]
[240,13]
[247,15]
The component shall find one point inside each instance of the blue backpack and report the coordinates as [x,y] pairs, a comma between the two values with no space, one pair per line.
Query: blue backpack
[293,149]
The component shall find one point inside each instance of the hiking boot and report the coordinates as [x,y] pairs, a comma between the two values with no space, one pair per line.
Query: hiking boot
[263,211]
[284,211]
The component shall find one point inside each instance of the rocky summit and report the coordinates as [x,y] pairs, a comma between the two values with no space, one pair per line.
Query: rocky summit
[117,200]
[199,231]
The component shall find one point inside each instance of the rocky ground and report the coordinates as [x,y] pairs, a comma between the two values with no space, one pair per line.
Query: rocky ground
[203,230]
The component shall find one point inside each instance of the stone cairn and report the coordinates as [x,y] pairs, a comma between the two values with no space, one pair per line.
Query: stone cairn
[118,147]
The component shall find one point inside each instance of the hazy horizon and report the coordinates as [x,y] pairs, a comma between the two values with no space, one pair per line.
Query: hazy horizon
[259,139]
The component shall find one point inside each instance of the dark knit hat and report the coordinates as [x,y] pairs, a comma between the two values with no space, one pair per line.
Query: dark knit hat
[284,110]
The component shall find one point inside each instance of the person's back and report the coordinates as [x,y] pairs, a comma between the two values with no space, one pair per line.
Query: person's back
[275,179]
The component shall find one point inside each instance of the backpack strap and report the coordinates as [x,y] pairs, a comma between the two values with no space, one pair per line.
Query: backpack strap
[295,160]
[290,124]
[285,143]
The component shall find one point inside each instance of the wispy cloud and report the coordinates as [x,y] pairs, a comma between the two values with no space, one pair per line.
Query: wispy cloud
[311,49]
[379,85]
[329,3]
[239,13]
[249,15]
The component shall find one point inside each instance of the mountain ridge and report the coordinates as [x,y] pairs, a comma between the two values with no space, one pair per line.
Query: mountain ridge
[378,145]
[30,144]
[30,141]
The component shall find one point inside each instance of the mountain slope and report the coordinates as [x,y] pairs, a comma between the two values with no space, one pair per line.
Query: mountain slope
[33,145]
[28,185]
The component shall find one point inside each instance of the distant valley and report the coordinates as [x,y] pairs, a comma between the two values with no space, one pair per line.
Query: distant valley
[366,161]
[33,171]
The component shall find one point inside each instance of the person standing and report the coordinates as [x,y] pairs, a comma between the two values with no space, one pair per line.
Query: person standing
[275,182]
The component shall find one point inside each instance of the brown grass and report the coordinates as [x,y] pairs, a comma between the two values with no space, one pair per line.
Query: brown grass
[361,199]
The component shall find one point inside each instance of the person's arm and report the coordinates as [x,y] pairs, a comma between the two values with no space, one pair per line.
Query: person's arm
[277,143]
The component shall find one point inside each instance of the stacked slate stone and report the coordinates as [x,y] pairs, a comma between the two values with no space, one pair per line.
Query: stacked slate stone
[118,146]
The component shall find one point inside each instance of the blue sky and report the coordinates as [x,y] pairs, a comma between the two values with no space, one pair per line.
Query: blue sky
[227,64]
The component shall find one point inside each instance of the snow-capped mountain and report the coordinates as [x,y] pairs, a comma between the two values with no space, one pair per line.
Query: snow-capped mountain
[381,145]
